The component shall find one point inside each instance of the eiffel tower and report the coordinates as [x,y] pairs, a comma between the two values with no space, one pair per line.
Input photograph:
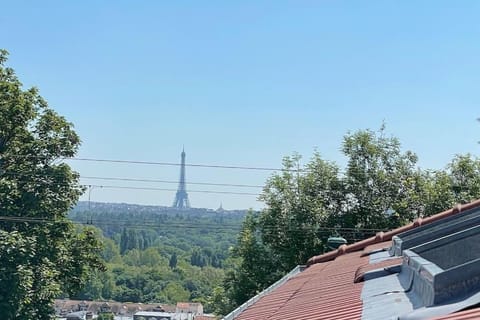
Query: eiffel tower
[181,198]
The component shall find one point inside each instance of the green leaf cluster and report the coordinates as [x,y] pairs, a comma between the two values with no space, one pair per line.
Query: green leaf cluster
[41,254]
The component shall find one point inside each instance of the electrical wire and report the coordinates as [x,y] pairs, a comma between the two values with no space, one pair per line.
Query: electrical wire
[158,224]
[16,174]
[186,164]
[170,181]
[159,163]
[257,168]
[165,189]
[151,188]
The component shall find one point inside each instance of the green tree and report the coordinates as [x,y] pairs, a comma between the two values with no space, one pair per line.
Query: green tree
[41,253]
[465,177]
[298,203]
[256,266]
[123,241]
[198,258]
[110,252]
[381,188]
[380,182]
[108,285]
[151,257]
[219,303]
[173,261]
[438,193]
[174,293]
[92,290]
[458,183]
[133,257]
[106,316]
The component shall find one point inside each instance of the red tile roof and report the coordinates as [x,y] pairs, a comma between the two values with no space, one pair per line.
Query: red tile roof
[323,291]
[386,236]
[327,288]
[188,304]
[373,266]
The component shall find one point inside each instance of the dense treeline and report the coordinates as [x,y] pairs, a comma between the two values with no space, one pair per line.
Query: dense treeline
[159,255]
[381,188]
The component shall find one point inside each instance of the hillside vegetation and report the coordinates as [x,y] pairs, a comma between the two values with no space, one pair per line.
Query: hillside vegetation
[158,254]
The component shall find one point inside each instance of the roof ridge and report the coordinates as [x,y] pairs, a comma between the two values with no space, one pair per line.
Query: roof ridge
[386,236]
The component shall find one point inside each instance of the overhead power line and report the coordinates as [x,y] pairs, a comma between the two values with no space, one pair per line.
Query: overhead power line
[152,224]
[139,180]
[173,182]
[23,176]
[186,164]
[161,163]
[166,189]
[272,169]
[351,235]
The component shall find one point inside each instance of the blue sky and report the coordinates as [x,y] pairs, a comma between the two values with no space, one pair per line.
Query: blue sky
[247,82]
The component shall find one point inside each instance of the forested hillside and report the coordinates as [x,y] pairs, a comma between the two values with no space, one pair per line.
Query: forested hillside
[157,254]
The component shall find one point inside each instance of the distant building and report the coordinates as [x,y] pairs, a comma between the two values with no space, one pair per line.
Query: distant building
[206,317]
[152,315]
[80,315]
[105,308]
[125,310]
[188,310]
[83,306]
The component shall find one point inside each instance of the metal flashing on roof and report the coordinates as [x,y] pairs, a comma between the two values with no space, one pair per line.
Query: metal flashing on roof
[436,278]
[378,268]
[435,230]
[379,256]
[447,268]
[387,291]
[440,274]
[445,311]
[381,272]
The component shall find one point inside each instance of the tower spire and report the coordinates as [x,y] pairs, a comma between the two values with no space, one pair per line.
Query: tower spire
[181,197]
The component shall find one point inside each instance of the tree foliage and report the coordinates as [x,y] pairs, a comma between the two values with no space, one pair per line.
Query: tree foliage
[175,266]
[255,267]
[380,181]
[106,316]
[297,206]
[172,263]
[41,253]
